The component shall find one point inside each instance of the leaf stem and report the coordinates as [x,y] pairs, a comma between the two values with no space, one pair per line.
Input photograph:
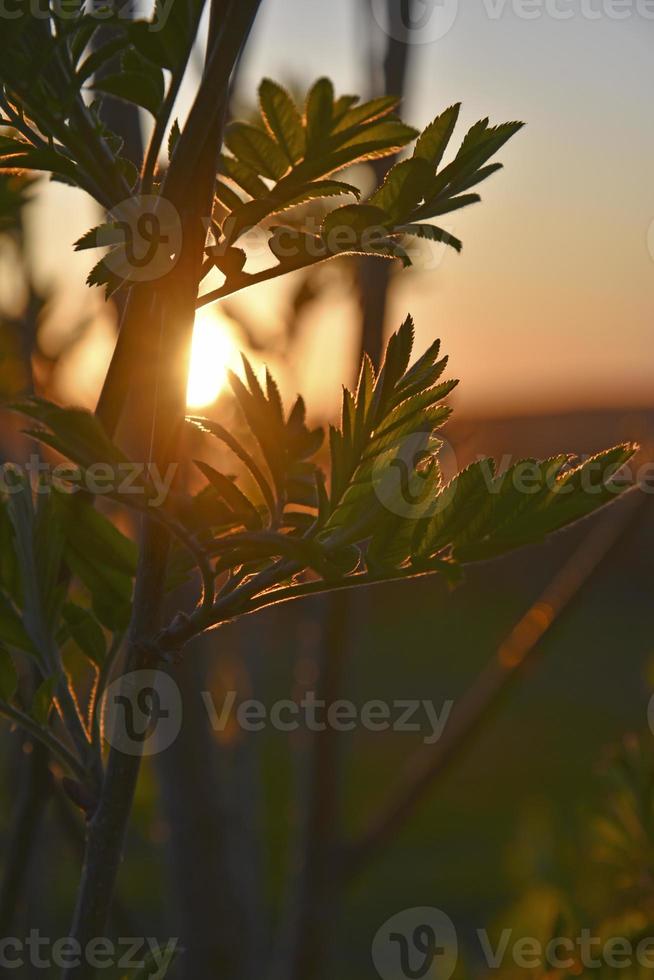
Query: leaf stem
[46,737]
[252,279]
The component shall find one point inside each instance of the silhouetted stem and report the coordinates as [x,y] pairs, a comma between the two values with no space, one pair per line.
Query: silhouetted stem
[30,809]
[168,328]
[107,828]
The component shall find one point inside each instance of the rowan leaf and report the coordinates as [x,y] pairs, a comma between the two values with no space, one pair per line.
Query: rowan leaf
[433,141]
[403,189]
[283,120]
[256,149]
[84,629]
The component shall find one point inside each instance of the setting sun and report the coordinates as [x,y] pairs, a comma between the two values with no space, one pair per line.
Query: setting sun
[213,352]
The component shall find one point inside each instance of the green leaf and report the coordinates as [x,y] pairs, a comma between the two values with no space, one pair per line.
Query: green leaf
[403,189]
[137,87]
[173,138]
[243,176]
[227,197]
[102,558]
[550,503]
[266,423]
[476,178]
[319,189]
[384,412]
[168,37]
[457,504]
[432,233]
[38,546]
[102,275]
[8,676]
[368,112]
[12,631]
[319,115]
[445,205]
[240,505]
[106,235]
[480,144]
[342,105]
[256,149]
[392,539]
[98,58]
[86,632]
[433,141]
[384,138]
[42,702]
[481,515]
[353,221]
[252,213]
[75,433]
[16,154]
[283,120]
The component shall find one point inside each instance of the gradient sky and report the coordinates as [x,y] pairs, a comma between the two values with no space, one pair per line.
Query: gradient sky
[552,300]
[553,295]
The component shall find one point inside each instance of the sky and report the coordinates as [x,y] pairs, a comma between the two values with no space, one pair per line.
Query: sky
[551,302]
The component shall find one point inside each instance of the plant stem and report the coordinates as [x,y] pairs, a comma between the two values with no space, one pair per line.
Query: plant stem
[106,832]
[30,809]
[321,873]
[161,408]
[45,736]
[253,279]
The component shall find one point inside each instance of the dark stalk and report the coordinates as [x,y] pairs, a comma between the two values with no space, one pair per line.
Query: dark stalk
[172,313]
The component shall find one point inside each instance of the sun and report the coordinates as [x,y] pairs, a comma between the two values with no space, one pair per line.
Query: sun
[213,352]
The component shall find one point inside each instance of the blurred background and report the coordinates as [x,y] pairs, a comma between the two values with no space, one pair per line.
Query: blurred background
[547,318]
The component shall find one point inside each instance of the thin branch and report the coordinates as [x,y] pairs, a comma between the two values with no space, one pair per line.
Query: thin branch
[252,279]
[95,720]
[46,737]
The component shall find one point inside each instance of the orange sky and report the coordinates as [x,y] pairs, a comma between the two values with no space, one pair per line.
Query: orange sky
[551,301]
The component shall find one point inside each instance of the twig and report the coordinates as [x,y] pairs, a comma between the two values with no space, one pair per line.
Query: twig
[95,720]
[45,736]
[246,279]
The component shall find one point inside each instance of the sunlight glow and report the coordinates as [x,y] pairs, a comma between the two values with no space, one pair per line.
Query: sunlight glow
[213,352]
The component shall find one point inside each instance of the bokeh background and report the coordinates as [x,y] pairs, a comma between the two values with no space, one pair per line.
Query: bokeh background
[547,318]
